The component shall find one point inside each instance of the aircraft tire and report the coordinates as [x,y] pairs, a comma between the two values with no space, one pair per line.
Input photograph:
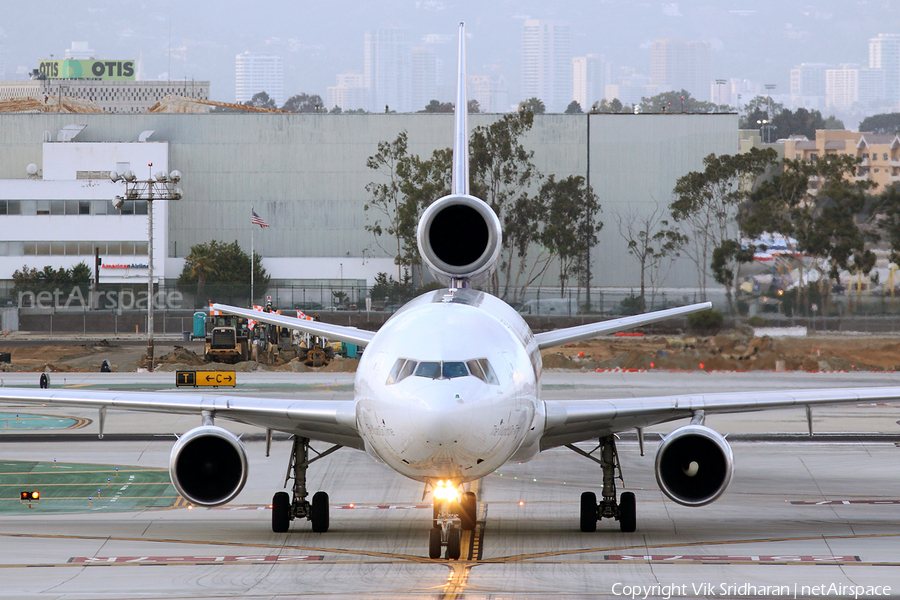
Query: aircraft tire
[468,511]
[434,543]
[281,512]
[588,512]
[319,512]
[454,546]
[627,512]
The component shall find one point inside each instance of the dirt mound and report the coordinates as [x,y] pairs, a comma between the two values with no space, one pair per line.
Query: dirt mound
[179,355]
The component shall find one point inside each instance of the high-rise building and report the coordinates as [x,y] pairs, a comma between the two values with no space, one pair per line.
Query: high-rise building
[590,76]
[736,92]
[256,73]
[349,93]
[388,70]
[884,54]
[80,51]
[849,84]
[677,65]
[492,95]
[547,63]
[424,78]
[808,79]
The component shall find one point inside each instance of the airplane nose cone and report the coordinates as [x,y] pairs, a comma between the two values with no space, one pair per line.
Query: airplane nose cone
[444,418]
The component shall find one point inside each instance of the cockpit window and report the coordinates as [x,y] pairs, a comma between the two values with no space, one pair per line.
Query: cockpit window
[429,369]
[455,369]
[403,368]
[478,367]
[481,369]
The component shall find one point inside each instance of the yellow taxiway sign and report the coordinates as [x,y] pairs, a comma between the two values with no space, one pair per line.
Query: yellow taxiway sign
[204,378]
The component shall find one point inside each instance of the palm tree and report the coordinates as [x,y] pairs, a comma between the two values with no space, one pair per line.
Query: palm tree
[201,263]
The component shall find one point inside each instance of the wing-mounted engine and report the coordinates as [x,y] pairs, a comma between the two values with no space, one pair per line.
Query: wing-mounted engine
[459,239]
[208,465]
[694,465]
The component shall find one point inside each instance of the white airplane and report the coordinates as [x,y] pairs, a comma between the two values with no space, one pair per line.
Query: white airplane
[447,391]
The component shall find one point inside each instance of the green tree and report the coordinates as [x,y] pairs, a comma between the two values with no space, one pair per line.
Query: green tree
[261,100]
[832,123]
[574,108]
[304,103]
[473,106]
[706,204]
[677,102]
[570,223]
[825,222]
[651,243]
[219,270]
[801,122]
[388,203]
[760,108]
[535,105]
[438,107]
[502,172]
[885,123]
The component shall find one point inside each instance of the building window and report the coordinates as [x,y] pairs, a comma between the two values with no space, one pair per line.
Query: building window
[884,156]
[813,156]
[84,207]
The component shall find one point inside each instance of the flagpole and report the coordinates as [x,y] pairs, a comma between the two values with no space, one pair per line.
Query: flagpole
[252,258]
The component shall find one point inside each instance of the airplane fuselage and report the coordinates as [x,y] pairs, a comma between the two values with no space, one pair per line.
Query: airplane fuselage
[449,388]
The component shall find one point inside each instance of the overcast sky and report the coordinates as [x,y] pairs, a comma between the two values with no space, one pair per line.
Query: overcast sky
[758,40]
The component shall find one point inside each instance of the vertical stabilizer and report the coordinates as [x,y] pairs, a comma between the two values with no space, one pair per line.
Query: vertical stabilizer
[460,181]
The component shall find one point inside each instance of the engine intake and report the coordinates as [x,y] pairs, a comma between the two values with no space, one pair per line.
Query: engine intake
[208,465]
[459,237]
[694,465]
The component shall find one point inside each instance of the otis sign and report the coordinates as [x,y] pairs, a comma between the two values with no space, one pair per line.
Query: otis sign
[107,70]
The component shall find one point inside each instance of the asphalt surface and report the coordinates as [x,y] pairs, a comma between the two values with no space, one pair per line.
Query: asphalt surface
[797,515]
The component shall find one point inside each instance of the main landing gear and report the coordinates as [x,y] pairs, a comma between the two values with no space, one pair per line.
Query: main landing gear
[591,512]
[451,518]
[284,508]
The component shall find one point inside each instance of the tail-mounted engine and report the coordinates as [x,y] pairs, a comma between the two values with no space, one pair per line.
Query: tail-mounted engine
[694,465]
[459,239]
[208,465]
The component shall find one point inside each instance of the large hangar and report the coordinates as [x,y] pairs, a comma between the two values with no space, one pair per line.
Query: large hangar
[306,175]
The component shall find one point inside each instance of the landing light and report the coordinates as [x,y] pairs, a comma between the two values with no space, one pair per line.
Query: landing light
[444,490]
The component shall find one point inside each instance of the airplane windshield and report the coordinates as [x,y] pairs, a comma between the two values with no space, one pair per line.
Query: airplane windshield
[478,367]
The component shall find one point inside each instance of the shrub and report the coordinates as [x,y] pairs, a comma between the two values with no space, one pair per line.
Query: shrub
[706,321]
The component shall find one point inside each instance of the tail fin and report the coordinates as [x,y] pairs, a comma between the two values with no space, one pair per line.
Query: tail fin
[460,180]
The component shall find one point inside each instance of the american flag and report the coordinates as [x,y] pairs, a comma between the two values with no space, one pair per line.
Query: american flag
[257,220]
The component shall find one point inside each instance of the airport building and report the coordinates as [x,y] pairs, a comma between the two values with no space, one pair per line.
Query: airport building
[306,175]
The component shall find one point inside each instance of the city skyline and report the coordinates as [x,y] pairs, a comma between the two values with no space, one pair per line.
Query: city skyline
[760,45]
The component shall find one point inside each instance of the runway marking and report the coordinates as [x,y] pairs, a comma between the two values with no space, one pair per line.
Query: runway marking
[556,553]
[471,543]
[839,502]
[730,559]
[196,560]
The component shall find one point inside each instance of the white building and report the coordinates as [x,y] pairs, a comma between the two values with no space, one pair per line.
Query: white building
[256,73]
[491,94]
[547,63]
[59,217]
[735,92]
[884,54]
[850,85]
[388,70]
[80,51]
[423,78]
[590,76]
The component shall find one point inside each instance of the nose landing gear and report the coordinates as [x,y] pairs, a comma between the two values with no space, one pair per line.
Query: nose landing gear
[451,518]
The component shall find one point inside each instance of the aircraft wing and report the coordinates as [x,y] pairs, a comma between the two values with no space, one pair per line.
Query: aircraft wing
[559,337]
[332,421]
[351,335]
[570,421]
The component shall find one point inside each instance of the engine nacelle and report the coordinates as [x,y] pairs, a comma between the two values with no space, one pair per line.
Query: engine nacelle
[208,465]
[459,238]
[694,465]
